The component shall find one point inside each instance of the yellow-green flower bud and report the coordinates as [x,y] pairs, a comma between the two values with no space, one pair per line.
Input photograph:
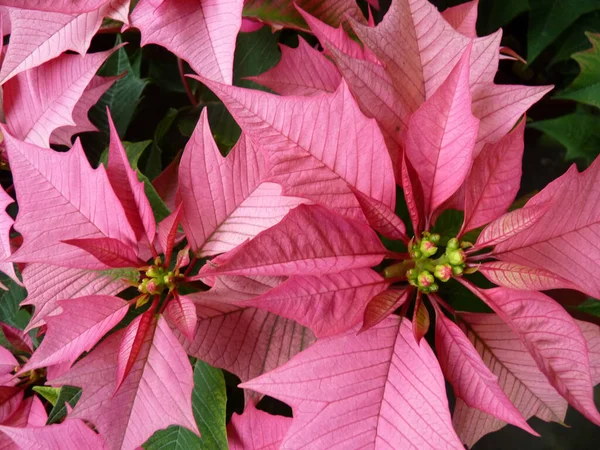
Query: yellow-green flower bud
[427,248]
[425,279]
[443,272]
[456,257]
[457,271]
[453,244]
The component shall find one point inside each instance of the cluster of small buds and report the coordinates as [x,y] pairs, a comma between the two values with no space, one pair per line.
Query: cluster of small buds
[156,279]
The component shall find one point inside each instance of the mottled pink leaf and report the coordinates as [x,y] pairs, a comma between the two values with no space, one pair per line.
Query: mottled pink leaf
[376,389]
[256,430]
[471,379]
[129,190]
[64,6]
[167,232]
[494,181]
[6,223]
[161,380]
[301,71]
[382,305]
[77,329]
[517,373]
[310,240]
[69,435]
[97,87]
[317,147]
[225,201]
[47,284]
[553,340]
[328,304]
[565,239]
[463,18]
[39,36]
[61,197]
[181,312]
[201,32]
[42,99]
[382,218]
[516,276]
[440,138]
[244,341]
[112,253]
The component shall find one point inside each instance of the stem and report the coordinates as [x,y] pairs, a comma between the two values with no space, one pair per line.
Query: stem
[168,298]
[190,266]
[480,257]
[186,85]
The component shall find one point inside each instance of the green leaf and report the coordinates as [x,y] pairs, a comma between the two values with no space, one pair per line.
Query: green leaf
[67,394]
[590,306]
[494,14]
[153,166]
[255,53]
[123,96]
[578,132]
[549,18]
[49,393]
[159,208]
[574,39]
[586,87]
[134,151]
[10,301]
[208,401]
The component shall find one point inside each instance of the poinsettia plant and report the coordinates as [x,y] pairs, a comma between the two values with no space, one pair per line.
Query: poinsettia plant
[358,246]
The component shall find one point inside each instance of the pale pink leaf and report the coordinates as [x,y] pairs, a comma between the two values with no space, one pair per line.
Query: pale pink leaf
[310,240]
[201,32]
[382,305]
[42,99]
[39,36]
[510,224]
[61,197]
[298,142]
[382,218]
[97,87]
[64,6]
[110,252]
[129,190]
[517,373]
[565,239]
[244,341]
[47,284]
[377,389]
[463,18]
[77,329]
[440,138]
[494,181]
[225,201]
[301,71]
[515,276]
[167,232]
[553,340]
[471,379]
[181,312]
[6,223]
[69,435]
[161,380]
[328,304]
[256,430]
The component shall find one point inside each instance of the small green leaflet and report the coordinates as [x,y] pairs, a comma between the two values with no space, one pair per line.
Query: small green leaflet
[590,306]
[67,394]
[49,393]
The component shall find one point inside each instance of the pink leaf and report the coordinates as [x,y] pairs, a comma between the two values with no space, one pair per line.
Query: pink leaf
[167,231]
[382,305]
[129,190]
[69,435]
[42,99]
[517,373]
[31,413]
[301,71]
[382,218]
[202,33]
[256,430]
[181,312]
[472,381]
[6,223]
[54,207]
[245,341]
[310,240]
[393,388]
[298,146]
[328,304]
[516,276]
[47,284]
[420,319]
[110,252]
[64,6]
[494,181]
[80,326]
[441,136]
[97,87]
[553,340]
[7,362]
[413,195]
[463,18]
[161,379]
[19,339]
[225,201]
[11,397]
[564,240]
[39,36]
[166,184]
